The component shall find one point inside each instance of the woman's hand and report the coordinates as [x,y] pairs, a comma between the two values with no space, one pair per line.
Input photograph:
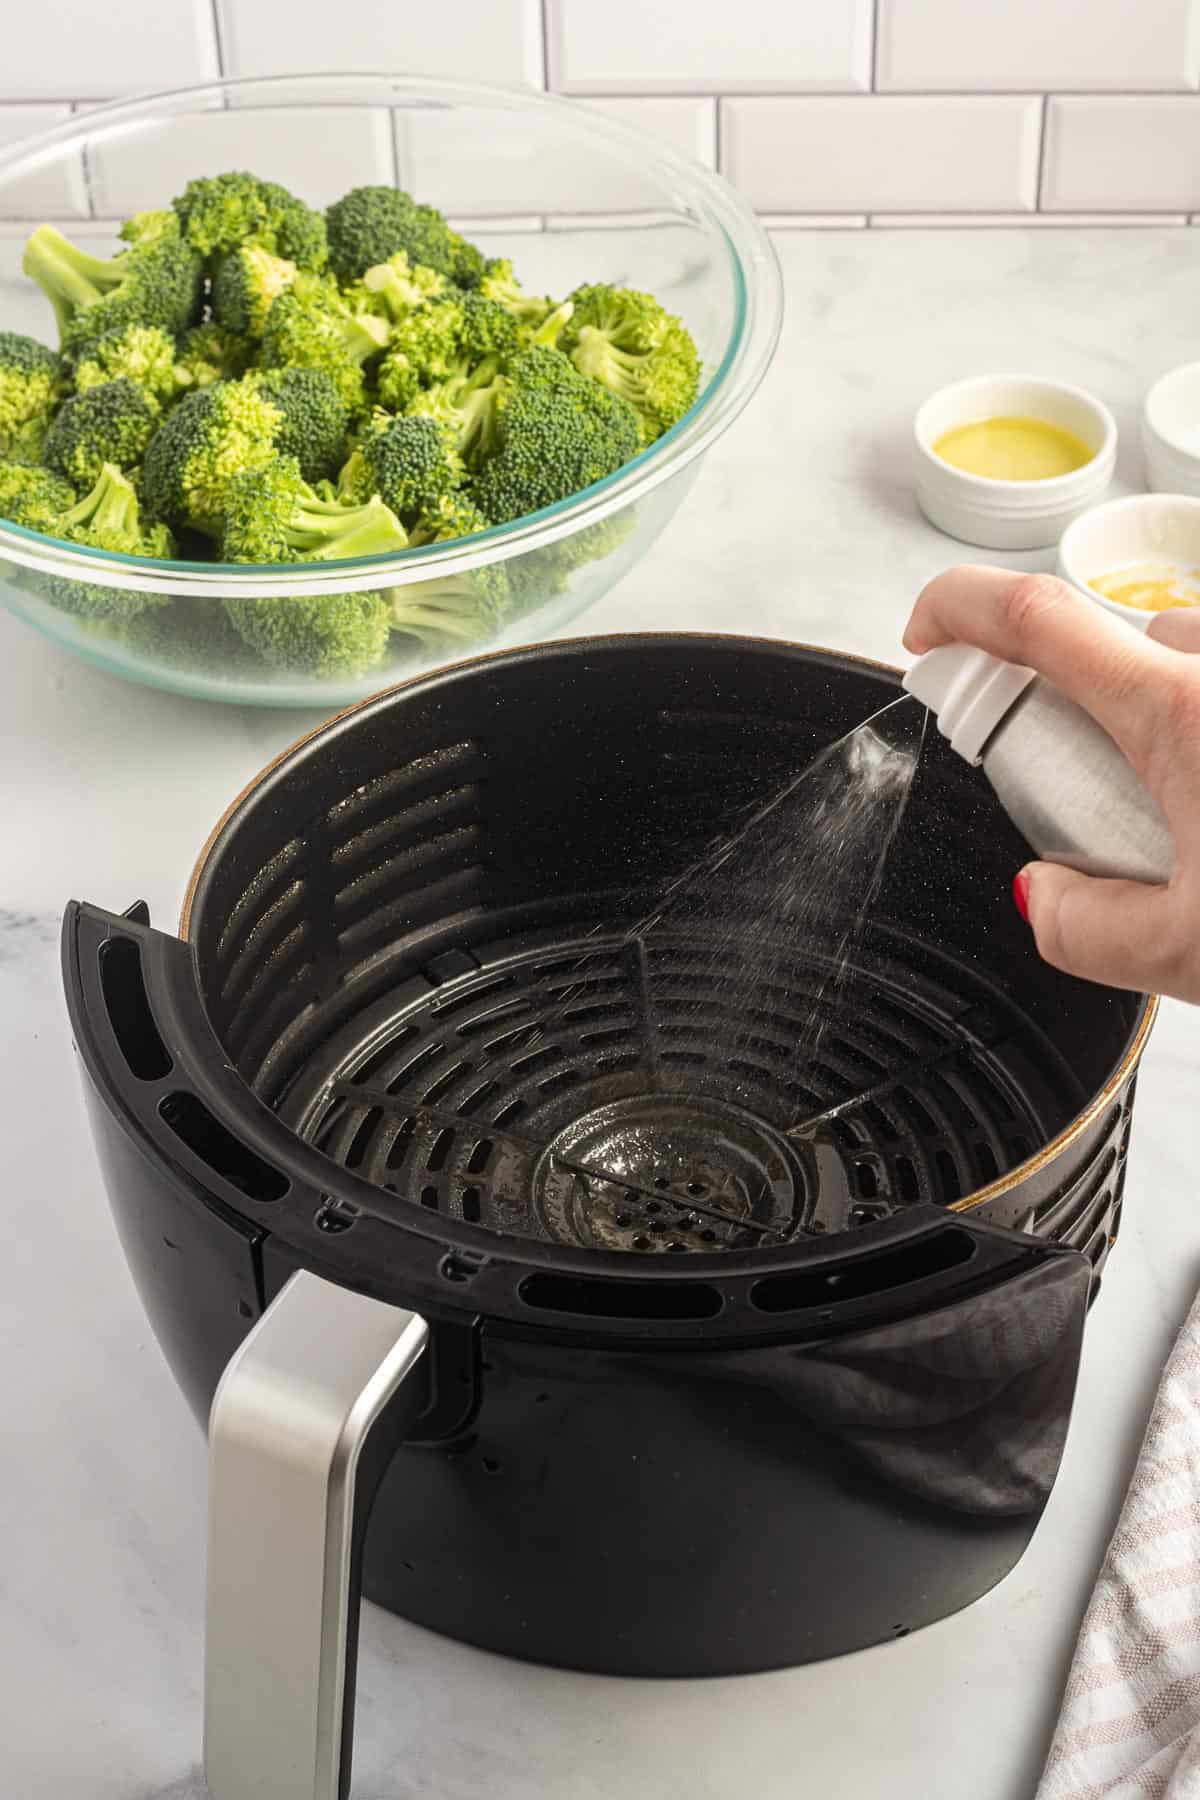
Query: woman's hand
[1145,691]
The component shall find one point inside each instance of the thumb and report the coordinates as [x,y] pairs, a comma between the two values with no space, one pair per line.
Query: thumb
[1112,932]
[1178,628]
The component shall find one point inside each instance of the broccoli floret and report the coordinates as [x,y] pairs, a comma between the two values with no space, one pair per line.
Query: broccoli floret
[411,463]
[143,354]
[107,518]
[426,345]
[369,225]
[34,496]
[192,634]
[399,284]
[452,608]
[557,432]
[313,417]
[31,384]
[626,340]
[150,227]
[454,515]
[500,284]
[229,426]
[330,636]
[539,319]
[156,281]
[246,283]
[209,353]
[112,423]
[312,326]
[211,436]
[487,329]
[273,516]
[468,404]
[221,212]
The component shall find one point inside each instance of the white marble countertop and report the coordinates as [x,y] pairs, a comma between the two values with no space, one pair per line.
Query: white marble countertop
[801,524]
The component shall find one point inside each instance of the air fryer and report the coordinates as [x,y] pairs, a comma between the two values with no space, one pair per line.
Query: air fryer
[570,1280]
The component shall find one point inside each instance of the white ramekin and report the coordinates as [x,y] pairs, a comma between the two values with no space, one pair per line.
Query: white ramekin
[1171,432]
[1011,515]
[1140,528]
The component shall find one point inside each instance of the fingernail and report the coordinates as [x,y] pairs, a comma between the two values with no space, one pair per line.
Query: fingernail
[1021,893]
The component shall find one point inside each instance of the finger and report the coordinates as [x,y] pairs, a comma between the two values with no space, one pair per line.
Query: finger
[1178,628]
[1117,674]
[1115,932]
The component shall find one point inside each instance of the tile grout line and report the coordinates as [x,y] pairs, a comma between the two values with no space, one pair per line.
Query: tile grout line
[544,17]
[218,36]
[718,134]
[711,93]
[1041,159]
[706,91]
[868,222]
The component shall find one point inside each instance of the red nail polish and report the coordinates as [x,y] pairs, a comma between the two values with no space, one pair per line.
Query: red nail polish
[1021,893]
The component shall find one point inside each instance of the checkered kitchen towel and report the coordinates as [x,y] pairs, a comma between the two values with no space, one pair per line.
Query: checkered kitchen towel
[1130,1722]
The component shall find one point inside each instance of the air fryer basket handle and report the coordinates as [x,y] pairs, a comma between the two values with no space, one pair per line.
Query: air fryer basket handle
[304,1422]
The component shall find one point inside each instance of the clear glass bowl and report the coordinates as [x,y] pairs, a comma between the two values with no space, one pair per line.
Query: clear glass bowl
[568,194]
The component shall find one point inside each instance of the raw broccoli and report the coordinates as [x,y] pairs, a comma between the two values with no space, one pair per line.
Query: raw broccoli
[626,340]
[34,496]
[313,417]
[273,516]
[221,212]
[487,329]
[112,423]
[500,284]
[469,404]
[150,227]
[143,354]
[246,283]
[107,518]
[369,225]
[452,608]
[557,433]
[211,436]
[229,426]
[31,384]
[192,634]
[312,326]
[329,636]
[209,353]
[425,345]
[399,284]
[156,281]
[411,463]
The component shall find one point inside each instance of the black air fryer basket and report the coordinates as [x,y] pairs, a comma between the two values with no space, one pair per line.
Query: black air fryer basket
[694,1283]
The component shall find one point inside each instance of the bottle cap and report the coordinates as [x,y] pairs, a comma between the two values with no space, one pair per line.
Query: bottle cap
[968,691]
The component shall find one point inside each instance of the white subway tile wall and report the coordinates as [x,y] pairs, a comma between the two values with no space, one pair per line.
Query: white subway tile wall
[1040,44]
[885,153]
[840,113]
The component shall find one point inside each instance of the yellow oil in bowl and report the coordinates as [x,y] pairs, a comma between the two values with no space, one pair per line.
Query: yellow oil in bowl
[1150,587]
[1013,449]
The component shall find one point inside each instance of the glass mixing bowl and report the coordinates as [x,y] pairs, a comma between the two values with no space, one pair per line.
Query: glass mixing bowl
[568,194]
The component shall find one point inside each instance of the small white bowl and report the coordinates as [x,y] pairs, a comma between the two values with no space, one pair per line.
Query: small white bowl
[1171,432]
[1011,515]
[1143,528]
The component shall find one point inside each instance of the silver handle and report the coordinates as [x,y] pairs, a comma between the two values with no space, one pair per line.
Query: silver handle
[291,1484]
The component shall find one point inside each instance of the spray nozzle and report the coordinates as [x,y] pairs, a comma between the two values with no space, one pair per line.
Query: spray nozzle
[969,692]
